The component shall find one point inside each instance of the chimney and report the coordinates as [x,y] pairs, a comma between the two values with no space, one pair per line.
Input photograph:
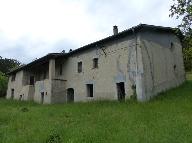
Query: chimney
[115,30]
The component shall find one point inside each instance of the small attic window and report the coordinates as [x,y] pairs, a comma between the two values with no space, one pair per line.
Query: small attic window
[13,77]
[79,67]
[174,67]
[172,46]
[95,63]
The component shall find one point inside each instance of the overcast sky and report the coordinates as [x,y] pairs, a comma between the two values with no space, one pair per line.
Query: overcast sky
[30,29]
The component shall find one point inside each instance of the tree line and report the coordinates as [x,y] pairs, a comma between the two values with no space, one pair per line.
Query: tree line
[5,66]
[183,9]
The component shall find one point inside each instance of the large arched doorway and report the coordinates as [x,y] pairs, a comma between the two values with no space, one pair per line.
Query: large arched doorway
[70,95]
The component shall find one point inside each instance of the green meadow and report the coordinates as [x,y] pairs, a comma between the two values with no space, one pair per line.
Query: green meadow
[165,119]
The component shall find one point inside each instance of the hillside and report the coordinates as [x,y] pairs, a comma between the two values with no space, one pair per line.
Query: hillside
[167,118]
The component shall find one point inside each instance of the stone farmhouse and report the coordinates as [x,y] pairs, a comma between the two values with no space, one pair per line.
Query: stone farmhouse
[139,62]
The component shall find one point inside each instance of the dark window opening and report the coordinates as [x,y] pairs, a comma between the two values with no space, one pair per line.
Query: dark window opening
[95,63]
[31,80]
[42,97]
[121,91]
[60,69]
[172,46]
[12,93]
[79,67]
[89,90]
[13,77]
[174,67]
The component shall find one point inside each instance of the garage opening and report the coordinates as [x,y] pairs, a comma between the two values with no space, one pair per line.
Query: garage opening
[70,95]
[42,97]
[89,90]
[121,91]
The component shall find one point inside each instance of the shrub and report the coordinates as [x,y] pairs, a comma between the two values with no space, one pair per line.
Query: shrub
[187,56]
[53,138]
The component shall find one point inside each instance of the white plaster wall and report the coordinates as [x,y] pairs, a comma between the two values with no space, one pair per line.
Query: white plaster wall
[27,91]
[43,86]
[159,60]
[112,68]
[16,85]
[58,91]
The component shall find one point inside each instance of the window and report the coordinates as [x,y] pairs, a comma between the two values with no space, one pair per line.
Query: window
[95,63]
[174,67]
[172,46]
[13,77]
[60,69]
[89,90]
[79,67]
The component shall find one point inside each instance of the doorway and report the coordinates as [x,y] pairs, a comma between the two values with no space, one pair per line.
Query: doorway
[89,90]
[20,97]
[121,91]
[42,97]
[70,95]
[12,93]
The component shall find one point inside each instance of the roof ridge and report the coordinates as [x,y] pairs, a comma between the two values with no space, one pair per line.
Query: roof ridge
[97,43]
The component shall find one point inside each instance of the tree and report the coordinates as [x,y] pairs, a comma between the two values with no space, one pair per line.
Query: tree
[183,9]
[7,64]
[3,84]
[187,56]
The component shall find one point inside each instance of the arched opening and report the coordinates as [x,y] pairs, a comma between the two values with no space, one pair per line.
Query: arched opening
[70,95]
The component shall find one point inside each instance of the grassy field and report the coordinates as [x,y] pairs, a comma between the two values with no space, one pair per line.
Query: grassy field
[165,119]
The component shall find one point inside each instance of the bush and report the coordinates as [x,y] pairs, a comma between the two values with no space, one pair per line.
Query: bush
[187,55]
[53,138]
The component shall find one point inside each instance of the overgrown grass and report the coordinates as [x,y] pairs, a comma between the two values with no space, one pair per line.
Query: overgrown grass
[167,118]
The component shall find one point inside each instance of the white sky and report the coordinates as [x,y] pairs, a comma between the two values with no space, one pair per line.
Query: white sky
[30,29]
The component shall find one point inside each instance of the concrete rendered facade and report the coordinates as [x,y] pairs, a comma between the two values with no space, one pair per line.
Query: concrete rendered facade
[145,59]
